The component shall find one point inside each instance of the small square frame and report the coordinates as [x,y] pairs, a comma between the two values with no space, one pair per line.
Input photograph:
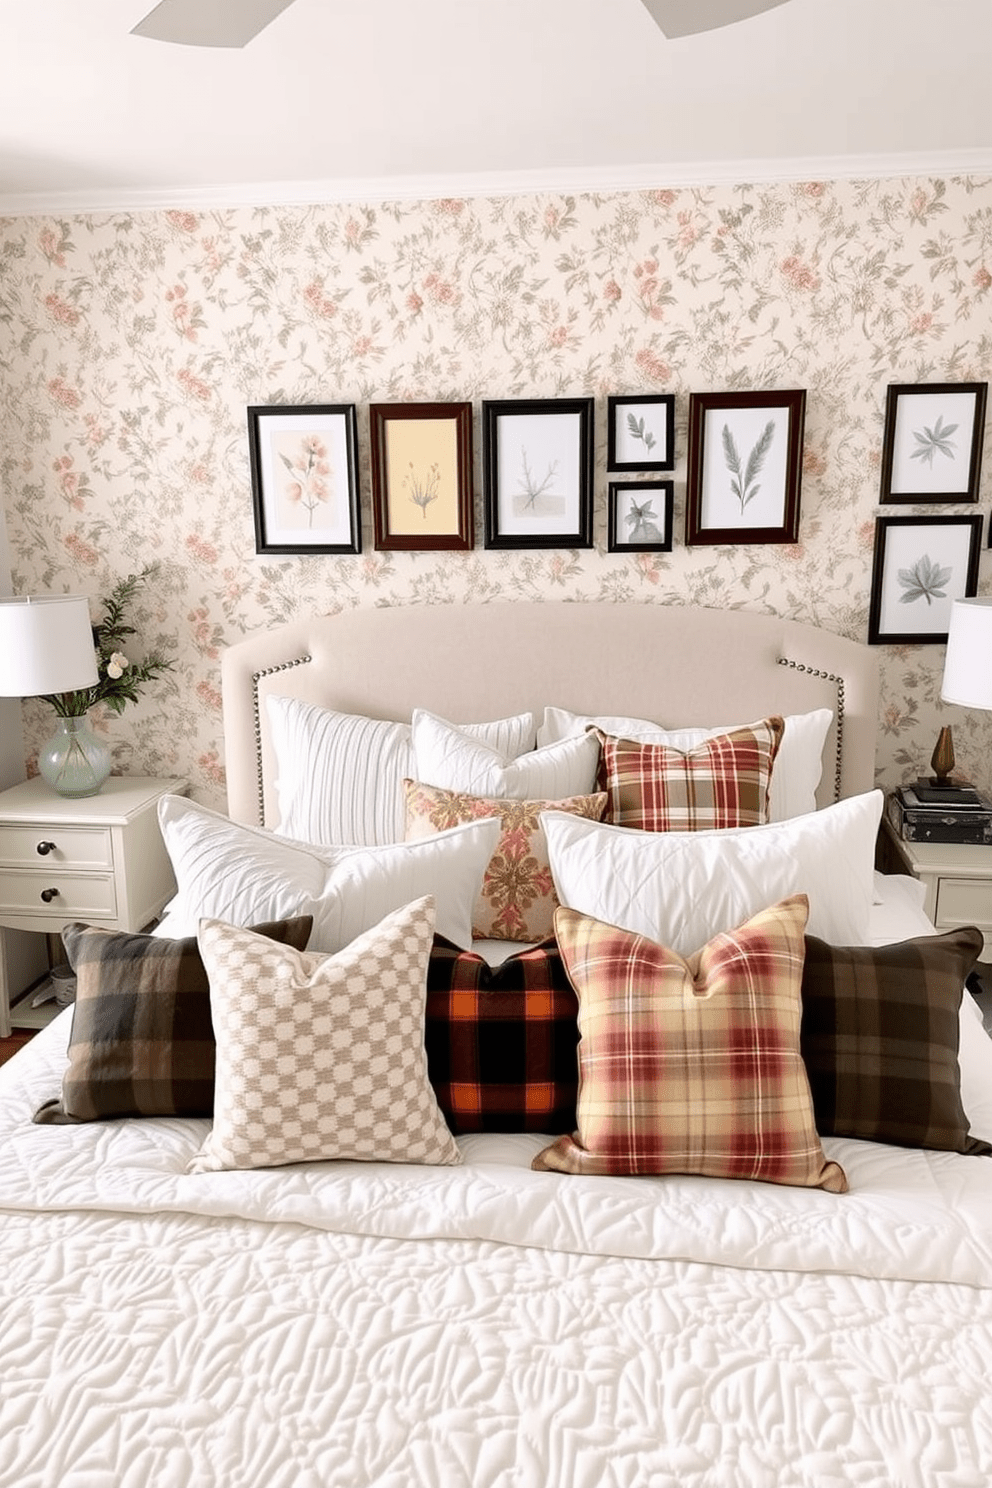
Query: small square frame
[921,565]
[640,432]
[538,469]
[932,449]
[422,476]
[745,467]
[633,526]
[304,478]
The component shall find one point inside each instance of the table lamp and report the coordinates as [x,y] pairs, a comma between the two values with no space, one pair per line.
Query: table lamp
[967,677]
[46,649]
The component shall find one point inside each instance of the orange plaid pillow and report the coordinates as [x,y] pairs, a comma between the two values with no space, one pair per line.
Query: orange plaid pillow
[692,1066]
[721,782]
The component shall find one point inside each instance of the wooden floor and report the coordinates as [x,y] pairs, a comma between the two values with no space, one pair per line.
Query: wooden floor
[9,1046]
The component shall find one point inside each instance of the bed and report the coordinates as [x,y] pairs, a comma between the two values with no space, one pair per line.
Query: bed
[170,1317]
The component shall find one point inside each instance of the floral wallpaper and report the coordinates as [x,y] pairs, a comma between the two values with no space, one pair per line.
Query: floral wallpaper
[132,343]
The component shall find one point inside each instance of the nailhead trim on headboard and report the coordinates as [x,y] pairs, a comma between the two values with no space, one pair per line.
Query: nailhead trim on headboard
[798,666]
[256,677]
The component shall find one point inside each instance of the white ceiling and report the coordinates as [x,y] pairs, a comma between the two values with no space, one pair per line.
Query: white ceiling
[352,98]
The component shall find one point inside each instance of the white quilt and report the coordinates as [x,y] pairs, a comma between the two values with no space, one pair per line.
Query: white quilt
[346,1324]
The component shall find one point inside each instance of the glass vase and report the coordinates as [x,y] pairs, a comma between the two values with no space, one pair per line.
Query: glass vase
[74,762]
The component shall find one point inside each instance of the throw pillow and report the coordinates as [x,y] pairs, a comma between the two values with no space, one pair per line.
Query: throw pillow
[445,756]
[692,1066]
[322,1057]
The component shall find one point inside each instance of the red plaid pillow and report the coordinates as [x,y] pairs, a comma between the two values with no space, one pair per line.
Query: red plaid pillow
[692,1066]
[721,782]
[501,1040]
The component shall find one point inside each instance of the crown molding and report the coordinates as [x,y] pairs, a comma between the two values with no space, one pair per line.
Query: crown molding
[582,179]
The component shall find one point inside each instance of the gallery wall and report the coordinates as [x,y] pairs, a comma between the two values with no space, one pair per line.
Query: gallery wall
[132,344]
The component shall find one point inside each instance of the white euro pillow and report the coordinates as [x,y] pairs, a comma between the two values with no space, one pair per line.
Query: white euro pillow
[244,875]
[447,757]
[682,888]
[339,776]
[795,773]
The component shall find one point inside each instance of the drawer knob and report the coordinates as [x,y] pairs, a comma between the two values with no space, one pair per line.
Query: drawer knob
[47,895]
[44,848]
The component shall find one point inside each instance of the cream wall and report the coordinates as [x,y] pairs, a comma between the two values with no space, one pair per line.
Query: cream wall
[131,344]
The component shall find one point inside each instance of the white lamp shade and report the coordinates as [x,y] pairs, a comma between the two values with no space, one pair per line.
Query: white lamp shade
[46,645]
[968,663]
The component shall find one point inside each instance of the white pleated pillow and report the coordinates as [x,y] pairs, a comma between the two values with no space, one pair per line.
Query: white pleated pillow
[446,756]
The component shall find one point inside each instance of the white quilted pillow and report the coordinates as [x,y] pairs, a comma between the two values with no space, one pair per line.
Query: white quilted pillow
[244,875]
[795,774]
[339,776]
[448,758]
[682,888]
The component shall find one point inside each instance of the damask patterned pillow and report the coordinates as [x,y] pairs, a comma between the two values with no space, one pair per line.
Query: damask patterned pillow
[501,1040]
[518,894]
[692,1066]
[721,782]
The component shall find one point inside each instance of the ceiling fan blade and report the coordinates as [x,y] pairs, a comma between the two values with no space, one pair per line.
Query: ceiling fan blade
[212,23]
[686,17]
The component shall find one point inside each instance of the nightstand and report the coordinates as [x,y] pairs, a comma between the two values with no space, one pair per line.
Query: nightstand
[100,859]
[958,881]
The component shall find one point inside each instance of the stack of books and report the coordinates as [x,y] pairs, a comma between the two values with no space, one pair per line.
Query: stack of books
[941,813]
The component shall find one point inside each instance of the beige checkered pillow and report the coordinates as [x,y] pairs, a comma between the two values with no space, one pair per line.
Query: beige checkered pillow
[322,1056]
[692,1066]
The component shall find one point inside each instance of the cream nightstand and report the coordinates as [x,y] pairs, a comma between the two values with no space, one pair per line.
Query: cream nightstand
[958,880]
[100,859]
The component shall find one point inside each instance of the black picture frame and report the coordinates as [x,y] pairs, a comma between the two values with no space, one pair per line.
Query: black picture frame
[538,472]
[304,478]
[636,425]
[735,438]
[631,517]
[933,560]
[422,476]
[932,446]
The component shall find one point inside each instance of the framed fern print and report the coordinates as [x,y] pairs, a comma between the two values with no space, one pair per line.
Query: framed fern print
[921,566]
[640,432]
[745,467]
[537,457]
[932,450]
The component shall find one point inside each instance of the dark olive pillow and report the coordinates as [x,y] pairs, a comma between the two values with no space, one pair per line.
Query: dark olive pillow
[879,1037]
[142,1041]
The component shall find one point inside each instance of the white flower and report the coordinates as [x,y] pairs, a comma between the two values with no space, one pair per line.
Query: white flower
[116,665]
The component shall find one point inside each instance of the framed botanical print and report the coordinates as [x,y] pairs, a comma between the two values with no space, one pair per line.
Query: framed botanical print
[921,566]
[639,516]
[640,432]
[745,466]
[538,468]
[422,475]
[932,450]
[304,478]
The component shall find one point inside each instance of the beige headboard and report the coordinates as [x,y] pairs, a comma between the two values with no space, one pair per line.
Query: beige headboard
[673,664]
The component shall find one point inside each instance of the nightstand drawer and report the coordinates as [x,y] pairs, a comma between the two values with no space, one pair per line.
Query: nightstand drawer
[964,901]
[78,896]
[70,847]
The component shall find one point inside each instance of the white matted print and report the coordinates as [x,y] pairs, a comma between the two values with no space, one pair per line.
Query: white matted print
[744,467]
[304,479]
[921,566]
[639,516]
[932,449]
[537,458]
[640,432]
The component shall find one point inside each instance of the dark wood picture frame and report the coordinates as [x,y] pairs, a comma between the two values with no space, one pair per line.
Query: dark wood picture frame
[304,478]
[932,447]
[636,425]
[538,472]
[931,575]
[743,446]
[639,517]
[422,476]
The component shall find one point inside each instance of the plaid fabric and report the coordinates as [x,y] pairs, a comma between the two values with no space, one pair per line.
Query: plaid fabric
[501,1040]
[692,1066]
[721,782]
[142,1040]
[518,897]
[880,1039]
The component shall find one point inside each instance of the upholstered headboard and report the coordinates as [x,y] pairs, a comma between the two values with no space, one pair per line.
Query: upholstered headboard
[673,664]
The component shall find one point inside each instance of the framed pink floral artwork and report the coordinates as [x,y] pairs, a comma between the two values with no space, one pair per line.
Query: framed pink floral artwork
[304,478]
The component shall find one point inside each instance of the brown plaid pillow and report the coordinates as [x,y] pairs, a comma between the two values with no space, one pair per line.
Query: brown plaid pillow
[501,1040]
[721,782]
[142,1040]
[880,1039]
[692,1066]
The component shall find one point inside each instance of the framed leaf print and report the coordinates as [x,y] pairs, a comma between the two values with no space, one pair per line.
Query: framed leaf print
[745,467]
[538,466]
[422,475]
[921,566]
[932,450]
[640,432]
[639,517]
[304,478]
